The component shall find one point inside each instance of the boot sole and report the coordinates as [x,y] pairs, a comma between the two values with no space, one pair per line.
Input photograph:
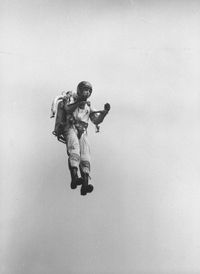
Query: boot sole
[85,190]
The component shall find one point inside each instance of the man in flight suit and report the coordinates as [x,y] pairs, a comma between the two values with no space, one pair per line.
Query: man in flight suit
[71,124]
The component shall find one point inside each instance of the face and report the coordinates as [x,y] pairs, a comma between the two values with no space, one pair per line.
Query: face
[85,93]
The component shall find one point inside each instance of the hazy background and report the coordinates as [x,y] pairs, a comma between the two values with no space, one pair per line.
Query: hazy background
[144,215]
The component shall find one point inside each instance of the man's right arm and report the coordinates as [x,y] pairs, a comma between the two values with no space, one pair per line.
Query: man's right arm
[71,107]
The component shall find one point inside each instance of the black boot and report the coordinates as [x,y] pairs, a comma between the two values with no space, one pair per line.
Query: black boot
[74,175]
[86,188]
[75,180]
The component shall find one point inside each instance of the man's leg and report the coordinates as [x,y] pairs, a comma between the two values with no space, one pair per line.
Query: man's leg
[85,164]
[73,151]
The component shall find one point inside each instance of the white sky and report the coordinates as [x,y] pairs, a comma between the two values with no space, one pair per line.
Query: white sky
[143,58]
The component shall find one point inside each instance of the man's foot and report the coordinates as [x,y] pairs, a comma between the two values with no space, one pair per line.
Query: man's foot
[90,188]
[76,182]
[73,184]
[86,189]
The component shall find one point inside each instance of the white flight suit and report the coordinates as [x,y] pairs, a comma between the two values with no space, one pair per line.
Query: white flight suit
[78,147]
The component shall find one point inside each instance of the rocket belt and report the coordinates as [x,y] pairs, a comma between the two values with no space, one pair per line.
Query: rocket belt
[80,126]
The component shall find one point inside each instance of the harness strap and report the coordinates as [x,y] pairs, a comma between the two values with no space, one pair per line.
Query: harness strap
[81,127]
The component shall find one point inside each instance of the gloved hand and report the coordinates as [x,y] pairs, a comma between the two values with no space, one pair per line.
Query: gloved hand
[88,103]
[107,107]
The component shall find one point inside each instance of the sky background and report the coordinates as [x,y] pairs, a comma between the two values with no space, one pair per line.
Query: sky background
[144,214]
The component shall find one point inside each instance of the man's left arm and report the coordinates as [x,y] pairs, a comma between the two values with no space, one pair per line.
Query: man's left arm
[97,117]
